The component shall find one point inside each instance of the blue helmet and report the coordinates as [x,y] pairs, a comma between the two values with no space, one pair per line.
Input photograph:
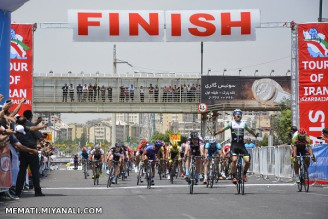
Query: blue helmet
[237,111]
[158,143]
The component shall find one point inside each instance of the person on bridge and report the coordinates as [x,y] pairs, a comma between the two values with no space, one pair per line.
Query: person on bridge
[79,89]
[110,93]
[194,146]
[150,154]
[237,128]
[71,92]
[65,92]
[85,92]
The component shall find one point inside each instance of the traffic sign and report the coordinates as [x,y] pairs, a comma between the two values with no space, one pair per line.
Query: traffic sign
[202,107]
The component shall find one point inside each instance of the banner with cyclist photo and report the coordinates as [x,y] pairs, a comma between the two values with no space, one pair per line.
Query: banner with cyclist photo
[313,77]
[259,91]
[21,65]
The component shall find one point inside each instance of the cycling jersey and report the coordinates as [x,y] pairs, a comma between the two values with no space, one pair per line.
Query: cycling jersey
[194,149]
[213,148]
[174,151]
[117,153]
[237,136]
[84,155]
[97,155]
[151,151]
[301,144]
[141,148]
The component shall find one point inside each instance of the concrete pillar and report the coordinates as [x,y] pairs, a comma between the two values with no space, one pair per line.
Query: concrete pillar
[5,20]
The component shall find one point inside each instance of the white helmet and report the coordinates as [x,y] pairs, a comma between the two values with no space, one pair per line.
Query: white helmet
[212,139]
[206,138]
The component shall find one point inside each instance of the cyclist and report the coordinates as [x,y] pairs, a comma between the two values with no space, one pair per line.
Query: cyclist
[150,153]
[226,158]
[84,155]
[173,155]
[182,153]
[324,136]
[301,145]
[126,159]
[76,161]
[116,154]
[237,128]
[212,150]
[194,146]
[140,150]
[97,154]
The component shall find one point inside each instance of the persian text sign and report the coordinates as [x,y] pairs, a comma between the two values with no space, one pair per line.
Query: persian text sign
[21,65]
[313,77]
[156,26]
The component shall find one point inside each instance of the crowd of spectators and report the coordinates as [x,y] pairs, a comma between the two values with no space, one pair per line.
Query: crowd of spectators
[21,138]
[93,93]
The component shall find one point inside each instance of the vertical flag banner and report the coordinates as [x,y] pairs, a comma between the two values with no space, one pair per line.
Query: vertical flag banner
[313,77]
[21,65]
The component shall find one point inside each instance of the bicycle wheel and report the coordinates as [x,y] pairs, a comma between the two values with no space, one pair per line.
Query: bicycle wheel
[109,182]
[212,176]
[172,173]
[238,178]
[192,181]
[139,176]
[148,175]
[306,179]
[160,171]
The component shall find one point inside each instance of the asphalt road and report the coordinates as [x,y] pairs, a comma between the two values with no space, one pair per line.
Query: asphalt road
[263,199]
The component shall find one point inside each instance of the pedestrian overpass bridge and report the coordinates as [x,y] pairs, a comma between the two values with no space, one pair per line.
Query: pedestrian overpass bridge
[48,95]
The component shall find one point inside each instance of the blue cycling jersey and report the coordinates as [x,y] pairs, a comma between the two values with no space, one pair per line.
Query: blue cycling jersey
[213,148]
[151,151]
[84,155]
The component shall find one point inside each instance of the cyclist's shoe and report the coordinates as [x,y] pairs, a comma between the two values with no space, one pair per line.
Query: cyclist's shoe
[107,172]
[223,175]
[297,180]
[152,182]
[114,180]
[196,181]
[182,175]
[245,178]
[87,174]
[100,175]
[93,176]
[205,181]
[234,180]
[141,180]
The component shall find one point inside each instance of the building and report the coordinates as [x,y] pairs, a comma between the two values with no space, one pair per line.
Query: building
[99,132]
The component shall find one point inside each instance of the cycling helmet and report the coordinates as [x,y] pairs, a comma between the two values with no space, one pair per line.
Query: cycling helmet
[175,144]
[325,131]
[301,132]
[212,139]
[237,111]
[194,135]
[118,144]
[97,146]
[206,138]
[143,141]
[158,143]
[84,149]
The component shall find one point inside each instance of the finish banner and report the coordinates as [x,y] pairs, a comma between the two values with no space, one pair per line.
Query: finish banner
[313,78]
[159,26]
[21,65]
[266,91]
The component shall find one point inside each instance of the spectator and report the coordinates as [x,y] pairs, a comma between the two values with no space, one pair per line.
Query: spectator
[126,94]
[71,92]
[189,93]
[169,94]
[103,93]
[122,93]
[29,140]
[110,93]
[175,93]
[142,94]
[184,93]
[151,93]
[95,92]
[164,94]
[156,92]
[65,92]
[249,144]
[131,89]
[198,93]
[193,92]
[90,89]
[85,92]
[79,93]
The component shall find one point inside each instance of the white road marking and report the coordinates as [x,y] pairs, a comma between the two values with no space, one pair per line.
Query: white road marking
[188,216]
[160,186]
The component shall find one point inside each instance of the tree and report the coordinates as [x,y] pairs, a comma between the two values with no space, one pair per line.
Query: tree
[283,122]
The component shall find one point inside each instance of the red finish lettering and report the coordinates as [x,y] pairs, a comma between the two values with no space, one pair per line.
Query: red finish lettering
[245,23]
[152,28]
[176,24]
[114,24]
[210,28]
[84,23]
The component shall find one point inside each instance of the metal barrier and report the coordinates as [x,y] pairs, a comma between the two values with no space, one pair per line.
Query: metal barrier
[271,161]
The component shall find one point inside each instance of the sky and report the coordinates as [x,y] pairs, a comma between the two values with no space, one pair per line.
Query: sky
[55,50]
